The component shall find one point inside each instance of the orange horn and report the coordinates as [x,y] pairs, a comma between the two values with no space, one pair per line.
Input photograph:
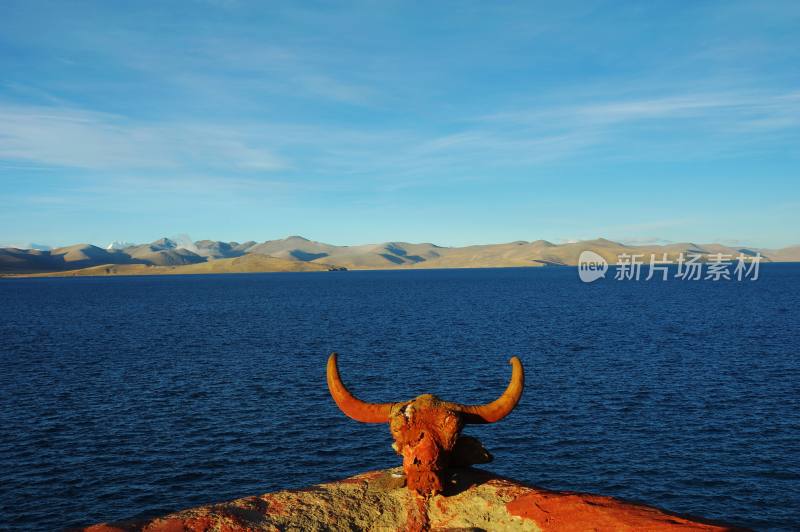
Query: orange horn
[349,404]
[503,405]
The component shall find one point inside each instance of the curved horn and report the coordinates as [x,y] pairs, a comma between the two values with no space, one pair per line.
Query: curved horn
[503,405]
[349,404]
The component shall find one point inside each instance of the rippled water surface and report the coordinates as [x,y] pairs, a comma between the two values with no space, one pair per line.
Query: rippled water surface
[125,397]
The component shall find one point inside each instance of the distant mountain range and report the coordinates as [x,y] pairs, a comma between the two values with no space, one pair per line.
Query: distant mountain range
[295,253]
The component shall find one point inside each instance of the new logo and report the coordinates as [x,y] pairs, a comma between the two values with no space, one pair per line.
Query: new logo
[591,266]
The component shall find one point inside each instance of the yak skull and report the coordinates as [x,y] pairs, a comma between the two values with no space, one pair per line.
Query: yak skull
[427,430]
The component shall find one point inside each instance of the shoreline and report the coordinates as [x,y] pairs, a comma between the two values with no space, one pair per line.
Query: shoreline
[156,271]
[176,271]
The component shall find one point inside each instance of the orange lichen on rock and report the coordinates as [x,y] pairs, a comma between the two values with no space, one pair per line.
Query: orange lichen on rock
[471,499]
[103,527]
[578,512]
[575,512]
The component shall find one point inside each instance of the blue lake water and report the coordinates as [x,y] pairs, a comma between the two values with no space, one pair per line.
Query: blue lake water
[130,396]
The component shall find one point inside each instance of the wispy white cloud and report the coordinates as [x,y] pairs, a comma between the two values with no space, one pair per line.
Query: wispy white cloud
[725,108]
[246,67]
[78,138]
[306,155]
[489,147]
[681,126]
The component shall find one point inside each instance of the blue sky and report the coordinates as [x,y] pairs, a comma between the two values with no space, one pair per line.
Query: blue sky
[455,123]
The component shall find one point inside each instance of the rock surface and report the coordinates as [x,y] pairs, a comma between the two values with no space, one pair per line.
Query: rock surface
[474,500]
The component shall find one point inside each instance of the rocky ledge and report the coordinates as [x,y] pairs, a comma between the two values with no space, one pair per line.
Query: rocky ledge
[474,500]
